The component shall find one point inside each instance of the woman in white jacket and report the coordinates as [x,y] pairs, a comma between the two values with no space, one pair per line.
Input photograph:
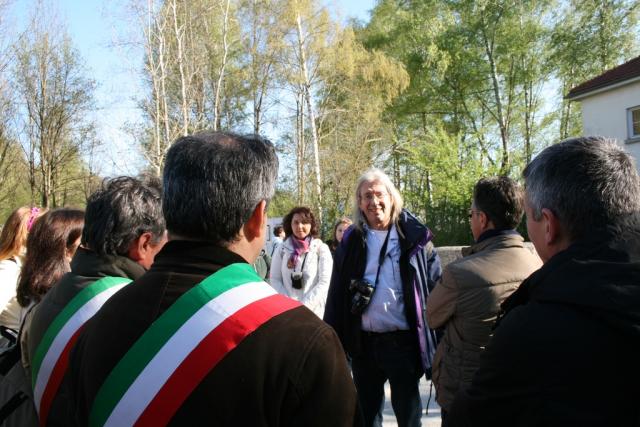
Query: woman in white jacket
[13,243]
[301,266]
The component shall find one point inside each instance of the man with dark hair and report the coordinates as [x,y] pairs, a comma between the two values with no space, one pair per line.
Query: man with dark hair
[123,231]
[578,317]
[467,299]
[200,338]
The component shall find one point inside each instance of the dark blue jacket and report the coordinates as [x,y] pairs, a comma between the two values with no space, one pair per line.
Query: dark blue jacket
[420,269]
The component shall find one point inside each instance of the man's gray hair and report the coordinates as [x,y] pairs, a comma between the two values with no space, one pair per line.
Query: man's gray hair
[213,181]
[586,182]
[120,211]
[370,176]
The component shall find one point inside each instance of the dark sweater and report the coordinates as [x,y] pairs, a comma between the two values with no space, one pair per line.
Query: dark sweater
[290,371]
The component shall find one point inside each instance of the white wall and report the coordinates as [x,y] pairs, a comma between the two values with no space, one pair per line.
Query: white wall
[605,114]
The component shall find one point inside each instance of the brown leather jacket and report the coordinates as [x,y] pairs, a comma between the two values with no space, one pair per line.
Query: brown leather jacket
[466,302]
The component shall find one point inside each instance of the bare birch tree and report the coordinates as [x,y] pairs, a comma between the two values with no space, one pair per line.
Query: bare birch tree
[12,164]
[56,98]
[309,37]
[179,40]
[264,31]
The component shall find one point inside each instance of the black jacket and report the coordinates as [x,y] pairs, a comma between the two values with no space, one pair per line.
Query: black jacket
[566,350]
[86,268]
[290,371]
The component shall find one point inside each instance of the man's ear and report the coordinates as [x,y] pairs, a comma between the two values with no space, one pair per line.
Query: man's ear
[484,220]
[255,227]
[139,248]
[552,229]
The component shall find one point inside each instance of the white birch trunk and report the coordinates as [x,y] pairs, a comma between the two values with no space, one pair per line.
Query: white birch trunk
[179,34]
[225,52]
[312,120]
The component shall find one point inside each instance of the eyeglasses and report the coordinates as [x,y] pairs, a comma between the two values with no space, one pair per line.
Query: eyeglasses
[371,196]
[470,212]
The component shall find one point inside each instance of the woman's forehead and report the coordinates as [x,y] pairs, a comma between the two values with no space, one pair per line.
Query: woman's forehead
[301,217]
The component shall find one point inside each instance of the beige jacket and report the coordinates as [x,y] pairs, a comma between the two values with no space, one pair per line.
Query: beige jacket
[466,302]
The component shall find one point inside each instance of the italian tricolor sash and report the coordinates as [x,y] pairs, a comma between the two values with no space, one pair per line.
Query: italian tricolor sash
[52,354]
[159,372]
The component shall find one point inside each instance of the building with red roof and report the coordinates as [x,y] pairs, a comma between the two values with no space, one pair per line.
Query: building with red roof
[611,104]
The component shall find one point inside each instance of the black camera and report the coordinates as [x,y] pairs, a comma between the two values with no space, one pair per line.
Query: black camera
[296,280]
[361,291]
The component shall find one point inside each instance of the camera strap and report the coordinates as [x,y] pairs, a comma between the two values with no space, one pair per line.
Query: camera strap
[303,261]
[382,256]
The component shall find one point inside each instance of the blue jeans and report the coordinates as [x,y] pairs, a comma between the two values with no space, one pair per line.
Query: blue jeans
[392,356]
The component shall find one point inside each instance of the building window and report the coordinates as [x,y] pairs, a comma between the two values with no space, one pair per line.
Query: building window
[633,119]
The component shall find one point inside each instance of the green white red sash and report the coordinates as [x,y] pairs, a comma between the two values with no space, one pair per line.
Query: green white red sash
[159,372]
[51,358]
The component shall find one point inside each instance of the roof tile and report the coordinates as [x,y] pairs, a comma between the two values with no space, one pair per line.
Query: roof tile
[626,71]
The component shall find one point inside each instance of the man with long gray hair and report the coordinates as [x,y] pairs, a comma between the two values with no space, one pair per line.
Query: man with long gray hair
[383,272]
[567,345]
[200,338]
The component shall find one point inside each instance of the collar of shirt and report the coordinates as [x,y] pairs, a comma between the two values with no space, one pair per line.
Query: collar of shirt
[496,232]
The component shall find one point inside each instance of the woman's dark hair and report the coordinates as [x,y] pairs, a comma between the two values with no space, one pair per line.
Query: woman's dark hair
[334,241]
[307,218]
[49,243]
[344,220]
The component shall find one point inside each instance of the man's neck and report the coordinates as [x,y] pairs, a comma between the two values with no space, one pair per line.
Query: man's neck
[247,250]
[493,232]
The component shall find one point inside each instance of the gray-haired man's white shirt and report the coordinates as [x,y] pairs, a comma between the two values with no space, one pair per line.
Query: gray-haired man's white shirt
[385,312]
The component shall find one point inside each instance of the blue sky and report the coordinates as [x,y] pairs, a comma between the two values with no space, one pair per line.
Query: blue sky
[95,27]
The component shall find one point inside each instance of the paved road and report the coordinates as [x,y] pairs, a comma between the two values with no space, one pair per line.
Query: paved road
[432,419]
